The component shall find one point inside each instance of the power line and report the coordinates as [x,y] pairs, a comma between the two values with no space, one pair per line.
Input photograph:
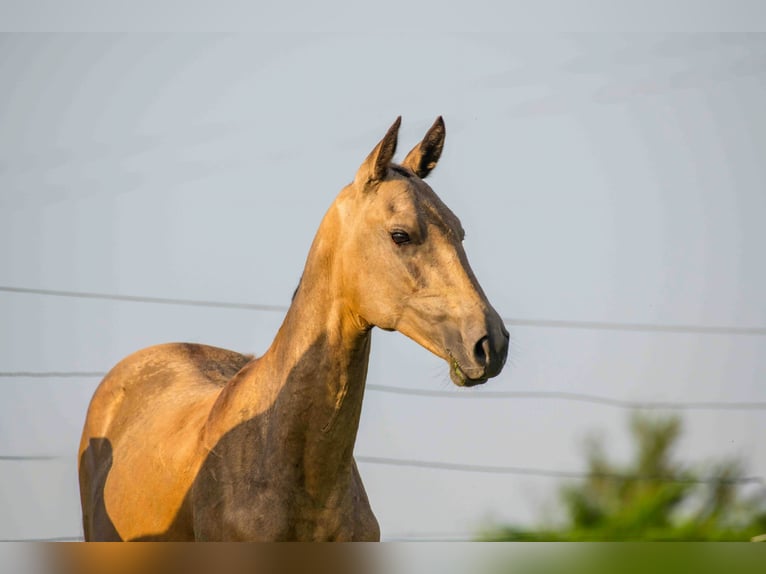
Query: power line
[576,397]
[477,394]
[142,299]
[54,539]
[430,537]
[545,323]
[638,327]
[15,458]
[505,470]
[50,374]
[550,473]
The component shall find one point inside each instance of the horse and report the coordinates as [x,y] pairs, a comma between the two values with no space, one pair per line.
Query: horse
[192,442]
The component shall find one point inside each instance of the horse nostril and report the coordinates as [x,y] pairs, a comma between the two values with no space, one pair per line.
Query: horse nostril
[481,351]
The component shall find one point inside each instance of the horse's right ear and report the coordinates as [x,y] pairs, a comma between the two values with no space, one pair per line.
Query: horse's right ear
[375,167]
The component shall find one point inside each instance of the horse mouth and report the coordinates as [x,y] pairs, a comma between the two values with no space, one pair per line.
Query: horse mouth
[459,377]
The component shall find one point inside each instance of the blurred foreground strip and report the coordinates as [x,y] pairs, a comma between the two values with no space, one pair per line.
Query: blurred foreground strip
[209,558]
[633,558]
[402,558]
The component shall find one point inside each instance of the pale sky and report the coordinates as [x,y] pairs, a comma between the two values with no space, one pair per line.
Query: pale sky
[601,178]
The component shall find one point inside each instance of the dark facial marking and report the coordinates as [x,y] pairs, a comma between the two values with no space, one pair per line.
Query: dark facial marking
[416,275]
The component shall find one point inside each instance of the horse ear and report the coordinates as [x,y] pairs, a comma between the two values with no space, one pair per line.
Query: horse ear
[376,165]
[423,157]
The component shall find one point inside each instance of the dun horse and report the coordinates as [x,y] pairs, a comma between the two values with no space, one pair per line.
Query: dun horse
[191,442]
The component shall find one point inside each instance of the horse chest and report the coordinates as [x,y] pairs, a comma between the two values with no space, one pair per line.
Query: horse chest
[281,510]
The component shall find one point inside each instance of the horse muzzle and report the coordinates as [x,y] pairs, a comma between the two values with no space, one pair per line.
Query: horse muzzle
[484,358]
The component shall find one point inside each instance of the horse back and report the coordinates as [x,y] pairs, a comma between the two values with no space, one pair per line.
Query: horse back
[146,418]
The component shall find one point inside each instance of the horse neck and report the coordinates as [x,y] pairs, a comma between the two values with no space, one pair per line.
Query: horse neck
[325,350]
[308,386]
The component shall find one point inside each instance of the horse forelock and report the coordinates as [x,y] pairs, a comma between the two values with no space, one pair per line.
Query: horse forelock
[401,170]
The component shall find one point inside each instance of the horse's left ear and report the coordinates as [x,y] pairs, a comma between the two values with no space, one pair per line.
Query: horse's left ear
[423,157]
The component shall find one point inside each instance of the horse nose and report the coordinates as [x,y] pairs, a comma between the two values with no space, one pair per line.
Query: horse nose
[481,351]
[491,352]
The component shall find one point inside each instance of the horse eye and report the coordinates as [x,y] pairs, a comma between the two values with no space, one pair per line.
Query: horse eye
[400,237]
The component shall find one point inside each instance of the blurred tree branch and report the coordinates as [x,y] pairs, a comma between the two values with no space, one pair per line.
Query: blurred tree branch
[653,497]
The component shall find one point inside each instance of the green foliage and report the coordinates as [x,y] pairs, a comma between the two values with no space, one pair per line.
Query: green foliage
[653,497]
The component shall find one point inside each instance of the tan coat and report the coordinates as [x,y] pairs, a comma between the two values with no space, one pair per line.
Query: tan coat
[190,442]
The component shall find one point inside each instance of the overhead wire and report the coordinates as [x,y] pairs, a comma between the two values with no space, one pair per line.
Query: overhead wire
[482,394]
[490,469]
[545,323]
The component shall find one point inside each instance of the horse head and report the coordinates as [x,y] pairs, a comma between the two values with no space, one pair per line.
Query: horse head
[403,266]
